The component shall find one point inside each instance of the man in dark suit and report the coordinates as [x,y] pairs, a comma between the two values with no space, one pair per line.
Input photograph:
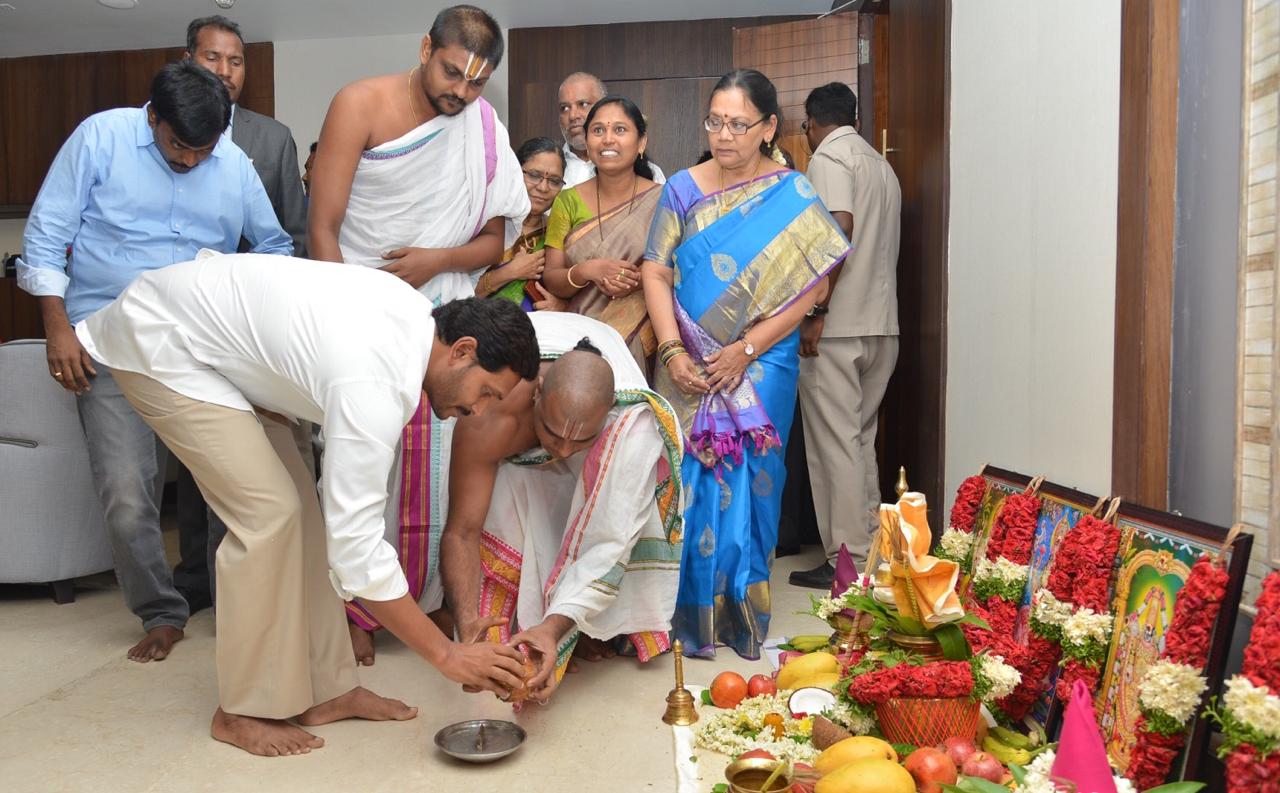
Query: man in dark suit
[215,43]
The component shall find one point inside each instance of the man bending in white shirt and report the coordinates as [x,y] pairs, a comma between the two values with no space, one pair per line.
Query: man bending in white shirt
[216,355]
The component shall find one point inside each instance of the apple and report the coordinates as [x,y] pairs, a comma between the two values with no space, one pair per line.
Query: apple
[761,684]
[958,749]
[805,778]
[983,766]
[931,769]
[761,753]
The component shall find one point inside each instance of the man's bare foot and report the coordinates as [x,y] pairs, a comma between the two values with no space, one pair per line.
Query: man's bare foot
[265,737]
[358,703]
[589,649]
[155,646]
[362,644]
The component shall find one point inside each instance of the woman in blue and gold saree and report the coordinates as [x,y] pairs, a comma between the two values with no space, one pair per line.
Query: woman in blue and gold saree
[738,253]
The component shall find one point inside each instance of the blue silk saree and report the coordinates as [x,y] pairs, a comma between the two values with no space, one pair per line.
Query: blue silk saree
[739,255]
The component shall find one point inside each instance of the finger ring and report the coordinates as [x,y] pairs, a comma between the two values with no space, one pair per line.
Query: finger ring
[57,374]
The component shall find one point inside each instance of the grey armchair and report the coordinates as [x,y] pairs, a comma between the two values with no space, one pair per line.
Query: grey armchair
[51,525]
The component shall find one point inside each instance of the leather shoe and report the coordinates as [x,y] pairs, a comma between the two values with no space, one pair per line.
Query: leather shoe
[819,577]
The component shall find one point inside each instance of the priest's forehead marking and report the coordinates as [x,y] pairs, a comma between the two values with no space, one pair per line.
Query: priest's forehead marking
[475,65]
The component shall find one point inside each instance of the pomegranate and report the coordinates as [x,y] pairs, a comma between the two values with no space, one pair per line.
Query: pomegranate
[931,769]
[761,684]
[728,689]
[958,749]
[983,766]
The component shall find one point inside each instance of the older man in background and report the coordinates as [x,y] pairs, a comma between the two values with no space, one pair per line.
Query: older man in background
[578,94]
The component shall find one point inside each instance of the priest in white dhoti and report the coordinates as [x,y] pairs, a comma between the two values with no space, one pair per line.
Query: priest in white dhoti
[565,510]
[414,174]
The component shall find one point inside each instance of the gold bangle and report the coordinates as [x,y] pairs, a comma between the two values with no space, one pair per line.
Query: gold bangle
[569,277]
[667,362]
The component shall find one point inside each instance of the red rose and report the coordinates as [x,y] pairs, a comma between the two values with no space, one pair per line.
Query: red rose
[1247,773]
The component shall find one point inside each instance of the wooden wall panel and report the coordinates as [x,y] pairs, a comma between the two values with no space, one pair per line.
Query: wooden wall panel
[667,68]
[800,56]
[45,97]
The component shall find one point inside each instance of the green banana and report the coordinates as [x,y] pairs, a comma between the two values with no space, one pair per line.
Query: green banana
[1005,753]
[808,643]
[1008,737]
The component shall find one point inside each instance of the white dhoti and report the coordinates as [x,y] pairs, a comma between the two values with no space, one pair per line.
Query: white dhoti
[595,538]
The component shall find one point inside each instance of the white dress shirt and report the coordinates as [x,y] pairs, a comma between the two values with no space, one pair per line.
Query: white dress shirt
[345,347]
[578,170]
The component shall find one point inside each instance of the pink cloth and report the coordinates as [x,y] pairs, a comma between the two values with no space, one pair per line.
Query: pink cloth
[1081,757]
[845,577]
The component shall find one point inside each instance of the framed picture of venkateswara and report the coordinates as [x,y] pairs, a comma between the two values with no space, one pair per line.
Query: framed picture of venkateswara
[1157,551]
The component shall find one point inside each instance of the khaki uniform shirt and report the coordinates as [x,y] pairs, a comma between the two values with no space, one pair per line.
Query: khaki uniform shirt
[851,176]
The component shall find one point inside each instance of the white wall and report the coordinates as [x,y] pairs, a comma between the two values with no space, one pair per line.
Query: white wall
[308,73]
[1031,300]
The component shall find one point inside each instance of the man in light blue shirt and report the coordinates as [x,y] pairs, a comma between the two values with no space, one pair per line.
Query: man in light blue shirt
[136,189]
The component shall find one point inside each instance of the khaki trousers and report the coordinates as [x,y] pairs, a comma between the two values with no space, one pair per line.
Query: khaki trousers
[840,393]
[282,643]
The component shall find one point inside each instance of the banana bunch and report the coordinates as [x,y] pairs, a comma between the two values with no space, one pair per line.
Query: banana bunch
[1012,747]
[808,643]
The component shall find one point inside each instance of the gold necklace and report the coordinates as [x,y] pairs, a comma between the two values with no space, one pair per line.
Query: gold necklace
[413,112]
[741,192]
[635,180]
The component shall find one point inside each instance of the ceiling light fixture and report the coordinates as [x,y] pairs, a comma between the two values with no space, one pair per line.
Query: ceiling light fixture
[122,5]
[224,4]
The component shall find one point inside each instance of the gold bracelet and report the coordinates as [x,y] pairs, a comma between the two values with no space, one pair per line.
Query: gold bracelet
[569,277]
[667,361]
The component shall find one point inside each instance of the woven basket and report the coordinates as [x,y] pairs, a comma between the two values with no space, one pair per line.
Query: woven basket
[928,722]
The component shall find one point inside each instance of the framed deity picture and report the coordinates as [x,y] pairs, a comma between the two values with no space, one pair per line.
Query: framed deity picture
[1060,509]
[1156,553]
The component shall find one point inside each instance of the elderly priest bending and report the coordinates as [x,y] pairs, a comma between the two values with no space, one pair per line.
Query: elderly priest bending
[217,355]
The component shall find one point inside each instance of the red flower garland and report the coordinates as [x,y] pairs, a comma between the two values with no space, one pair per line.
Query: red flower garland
[1083,569]
[1246,771]
[964,512]
[1152,756]
[935,680]
[1014,531]
[1260,664]
[1036,662]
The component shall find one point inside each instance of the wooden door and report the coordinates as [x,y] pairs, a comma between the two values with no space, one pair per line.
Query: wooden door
[798,57]
[913,414]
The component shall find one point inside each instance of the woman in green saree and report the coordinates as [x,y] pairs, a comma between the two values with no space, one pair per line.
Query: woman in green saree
[597,230]
[516,277]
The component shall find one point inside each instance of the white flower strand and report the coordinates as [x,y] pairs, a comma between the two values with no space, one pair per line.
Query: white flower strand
[1173,689]
[1039,777]
[1084,627]
[1255,706]
[1049,610]
[1002,569]
[955,544]
[1003,677]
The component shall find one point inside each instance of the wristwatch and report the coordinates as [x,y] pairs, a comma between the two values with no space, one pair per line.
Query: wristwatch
[817,310]
[749,348]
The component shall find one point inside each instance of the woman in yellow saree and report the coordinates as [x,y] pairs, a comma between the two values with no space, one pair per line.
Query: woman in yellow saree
[597,230]
[738,253]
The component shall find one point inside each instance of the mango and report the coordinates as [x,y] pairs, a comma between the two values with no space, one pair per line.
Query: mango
[825,680]
[859,747]
[806,666]
[868,775]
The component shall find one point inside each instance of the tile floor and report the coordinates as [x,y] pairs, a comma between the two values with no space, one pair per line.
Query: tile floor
[76,715]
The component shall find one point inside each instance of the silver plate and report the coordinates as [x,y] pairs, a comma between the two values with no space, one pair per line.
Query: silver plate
[480,741]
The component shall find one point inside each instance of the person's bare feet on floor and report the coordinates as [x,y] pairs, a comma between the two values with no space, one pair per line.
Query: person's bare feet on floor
[361,644]
[155,646]
[589,649]
[358,703]
[265,737]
